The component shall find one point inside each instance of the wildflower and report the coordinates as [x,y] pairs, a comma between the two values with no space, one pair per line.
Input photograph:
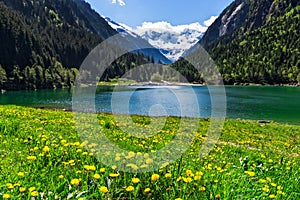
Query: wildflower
[218,196]
[189,173]
[34,193]
[31,158]
[6,196]
[262,180]
[147,190]
[102,170]
[272,196]
[10,186]
[178,199]
[113,175]
[46,149]
[21,174]
[187,180]
[202,188]
[265,189]
[154,177]
[97,176]
[168,175]
[135,180]
[89,168]
[31,189]
[103,189]
[274,184]
[22,189]
[129,188]
[60,176]
[250,173]
[75,181]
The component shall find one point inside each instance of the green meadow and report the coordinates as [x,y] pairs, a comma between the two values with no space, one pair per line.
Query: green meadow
[43,157]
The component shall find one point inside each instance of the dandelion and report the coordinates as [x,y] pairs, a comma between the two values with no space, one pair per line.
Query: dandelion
[189,173]
[272,196]
[202,188]
[154,177]
[33,158]
[168,175]
[34,193]
[266,189]
[75,181]
[31,189]
[22,189]
[187,180]
[113,175]
[46,149]
[218,196]
[135,180]
[21,174]
[6,196]
[129,188]
[102,170]
[147,190]
[89,168]
[10,186]
[103,189]
[97,176]
[274,184]
[60,176]
[178,199]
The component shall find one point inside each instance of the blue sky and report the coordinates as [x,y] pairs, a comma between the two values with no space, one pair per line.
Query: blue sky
[176,12]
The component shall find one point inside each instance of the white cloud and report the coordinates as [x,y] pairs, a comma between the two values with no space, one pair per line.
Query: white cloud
[211,20]
[120,2]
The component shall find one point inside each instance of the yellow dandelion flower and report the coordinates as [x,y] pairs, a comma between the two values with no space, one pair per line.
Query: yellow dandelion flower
[21,174]
[218,196]
[113,175]
[262,180]
[168,175]
[202,188]
[189,173]
[10,186]
[61,176]
[129,188]
[31,189]
[75,181]
[154,177]
[272,196]
[31,158]
[135,180]
[34,193]
[147,190]
[274,184]
[187,180]
[22,189]
[265,189]
[97,176]
[103,189]
[178,199]
[46,149]
[5,196]
[102,170]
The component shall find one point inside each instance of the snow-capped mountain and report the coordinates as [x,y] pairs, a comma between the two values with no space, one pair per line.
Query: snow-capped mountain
[172,41]
[139,42]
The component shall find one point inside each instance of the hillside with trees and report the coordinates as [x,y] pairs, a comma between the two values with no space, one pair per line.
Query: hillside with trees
[255,42]
[44,42]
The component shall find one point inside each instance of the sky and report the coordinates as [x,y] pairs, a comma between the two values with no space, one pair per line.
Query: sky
[176,12]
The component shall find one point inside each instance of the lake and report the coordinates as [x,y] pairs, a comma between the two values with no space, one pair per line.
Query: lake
[280,104]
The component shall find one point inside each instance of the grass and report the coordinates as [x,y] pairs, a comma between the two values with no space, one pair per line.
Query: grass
[43,157]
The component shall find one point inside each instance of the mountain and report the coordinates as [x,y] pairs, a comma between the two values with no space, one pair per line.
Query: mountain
[256,42]
[140,42]
[172,41]
[43,43]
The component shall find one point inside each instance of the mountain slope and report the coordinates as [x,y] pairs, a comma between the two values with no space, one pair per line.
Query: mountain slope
[257,42]
[44,41]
